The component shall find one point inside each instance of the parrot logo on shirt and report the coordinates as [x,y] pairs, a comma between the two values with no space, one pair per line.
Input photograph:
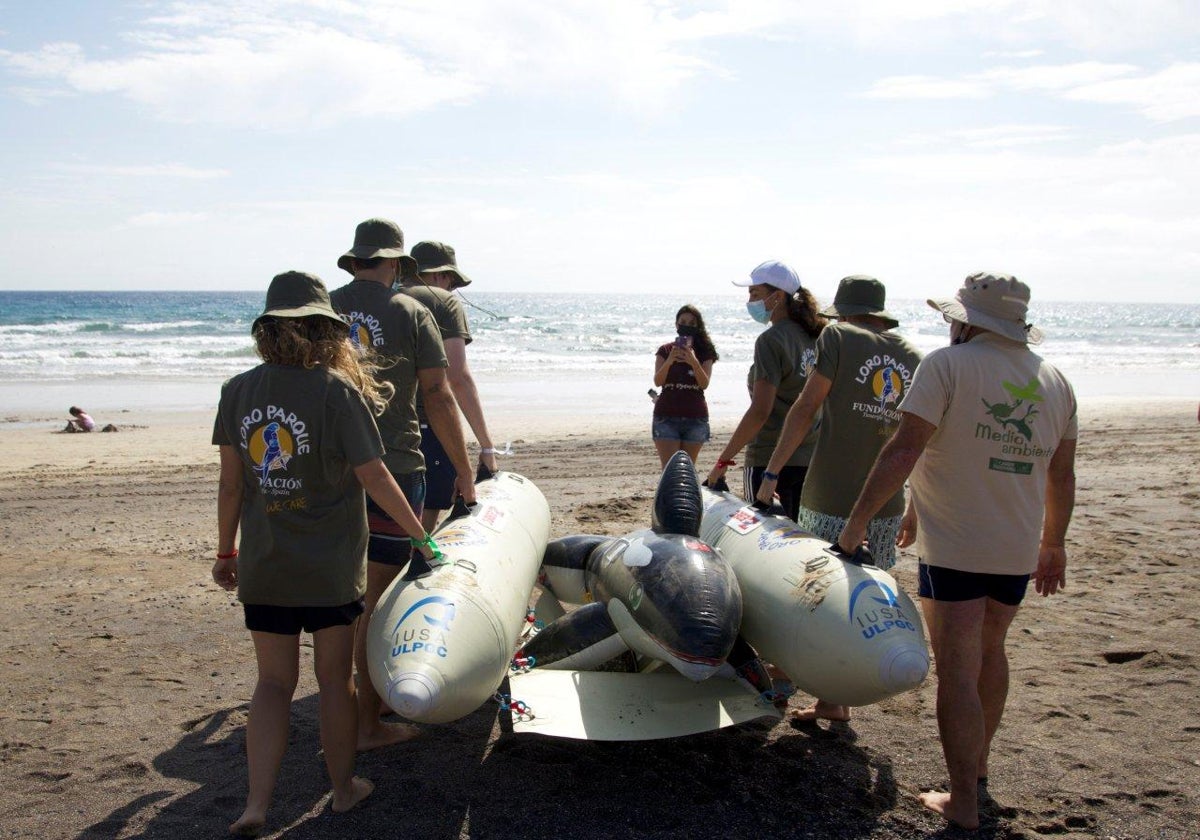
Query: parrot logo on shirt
[1005,414]
[274,445]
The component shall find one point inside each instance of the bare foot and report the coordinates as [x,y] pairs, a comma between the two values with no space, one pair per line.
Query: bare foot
[248,825]
[360,789]
[820,711]
[940,803]
[386,734]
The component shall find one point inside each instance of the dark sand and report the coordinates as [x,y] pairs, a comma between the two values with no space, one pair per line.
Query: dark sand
[127,673]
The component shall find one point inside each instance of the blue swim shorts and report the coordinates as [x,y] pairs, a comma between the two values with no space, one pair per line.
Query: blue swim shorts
[289,621]
[439,472]
[685,429]
[389,544]
[942,584]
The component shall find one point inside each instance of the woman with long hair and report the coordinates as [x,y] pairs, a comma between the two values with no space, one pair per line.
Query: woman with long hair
[683,369]
[784,354]
[298,446]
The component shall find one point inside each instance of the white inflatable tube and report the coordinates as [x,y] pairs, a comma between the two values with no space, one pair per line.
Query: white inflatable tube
[842,632]
[438,647]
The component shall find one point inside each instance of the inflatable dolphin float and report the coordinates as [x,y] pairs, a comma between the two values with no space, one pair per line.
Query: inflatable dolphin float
[661,593]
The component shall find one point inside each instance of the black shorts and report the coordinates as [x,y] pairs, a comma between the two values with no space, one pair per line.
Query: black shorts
[789,486]
[439,472]
[289,621]
[942,584]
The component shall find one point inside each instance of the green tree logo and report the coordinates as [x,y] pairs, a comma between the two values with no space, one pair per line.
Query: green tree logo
[1004,413]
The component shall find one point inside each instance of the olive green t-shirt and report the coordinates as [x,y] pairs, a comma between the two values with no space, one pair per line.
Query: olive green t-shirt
[869,373]
[300,433]
[447,310]
[401,331]
[783,356]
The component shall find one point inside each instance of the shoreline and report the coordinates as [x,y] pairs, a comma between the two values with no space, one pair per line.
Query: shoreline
[614,397]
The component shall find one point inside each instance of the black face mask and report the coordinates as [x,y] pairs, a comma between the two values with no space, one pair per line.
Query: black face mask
[687,329]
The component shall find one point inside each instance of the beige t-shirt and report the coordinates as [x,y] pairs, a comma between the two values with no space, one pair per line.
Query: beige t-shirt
[979,488]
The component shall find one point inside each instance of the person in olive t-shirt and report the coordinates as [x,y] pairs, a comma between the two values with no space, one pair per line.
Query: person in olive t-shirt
[403,333]
[433,285]
[988,434]
[298,445]
[862,371]
[783,356]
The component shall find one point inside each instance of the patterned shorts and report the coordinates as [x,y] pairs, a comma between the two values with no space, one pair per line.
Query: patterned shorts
[881,533]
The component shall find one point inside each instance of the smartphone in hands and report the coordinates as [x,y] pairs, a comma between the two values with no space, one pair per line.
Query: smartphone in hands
[684,341]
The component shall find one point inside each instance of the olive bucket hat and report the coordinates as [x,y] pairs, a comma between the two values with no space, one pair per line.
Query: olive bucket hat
[296,294]
[378,238]
[859,294]
[998,303]
[438,256]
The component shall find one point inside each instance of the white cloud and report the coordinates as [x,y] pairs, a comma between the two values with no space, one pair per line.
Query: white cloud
[1164,96]
[1171,94]
[927,87]
[293,64]
[157,170]
[297,63]
[991,137]
[1053,77]
[165,219]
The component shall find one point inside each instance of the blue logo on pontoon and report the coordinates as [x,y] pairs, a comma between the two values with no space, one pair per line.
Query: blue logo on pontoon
[875,620]
[429,639]
[442,623]
[889,599]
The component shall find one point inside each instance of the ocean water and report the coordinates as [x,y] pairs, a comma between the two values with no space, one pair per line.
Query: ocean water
[559,353]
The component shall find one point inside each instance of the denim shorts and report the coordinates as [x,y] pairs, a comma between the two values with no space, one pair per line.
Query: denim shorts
[686,429]
[942,584]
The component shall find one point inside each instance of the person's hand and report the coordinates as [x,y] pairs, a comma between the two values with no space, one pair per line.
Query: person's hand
[715,474]
[851,538]
[1051,574]
[464,485]
[766,490]
[907,534]
[224,572]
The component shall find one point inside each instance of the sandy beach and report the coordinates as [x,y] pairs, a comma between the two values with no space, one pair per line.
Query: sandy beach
[127,673]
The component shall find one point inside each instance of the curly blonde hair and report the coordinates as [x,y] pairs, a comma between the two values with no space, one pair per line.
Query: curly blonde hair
[316,340]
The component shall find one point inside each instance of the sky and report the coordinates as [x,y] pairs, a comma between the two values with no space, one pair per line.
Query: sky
[626,146]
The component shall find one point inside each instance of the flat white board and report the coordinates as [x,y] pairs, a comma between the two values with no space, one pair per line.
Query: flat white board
[603,706]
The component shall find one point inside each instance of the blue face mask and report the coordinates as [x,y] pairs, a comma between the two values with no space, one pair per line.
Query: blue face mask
[758,311]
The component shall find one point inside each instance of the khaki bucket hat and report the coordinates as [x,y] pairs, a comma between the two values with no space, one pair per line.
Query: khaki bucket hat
[297,294]
[378,238]
[998,303]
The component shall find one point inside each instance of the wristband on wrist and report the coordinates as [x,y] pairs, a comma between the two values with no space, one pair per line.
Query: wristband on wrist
[228,556]
[428,542]
[770,476]
[722,463]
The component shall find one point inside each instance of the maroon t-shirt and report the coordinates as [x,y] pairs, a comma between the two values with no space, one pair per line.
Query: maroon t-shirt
[681,396]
